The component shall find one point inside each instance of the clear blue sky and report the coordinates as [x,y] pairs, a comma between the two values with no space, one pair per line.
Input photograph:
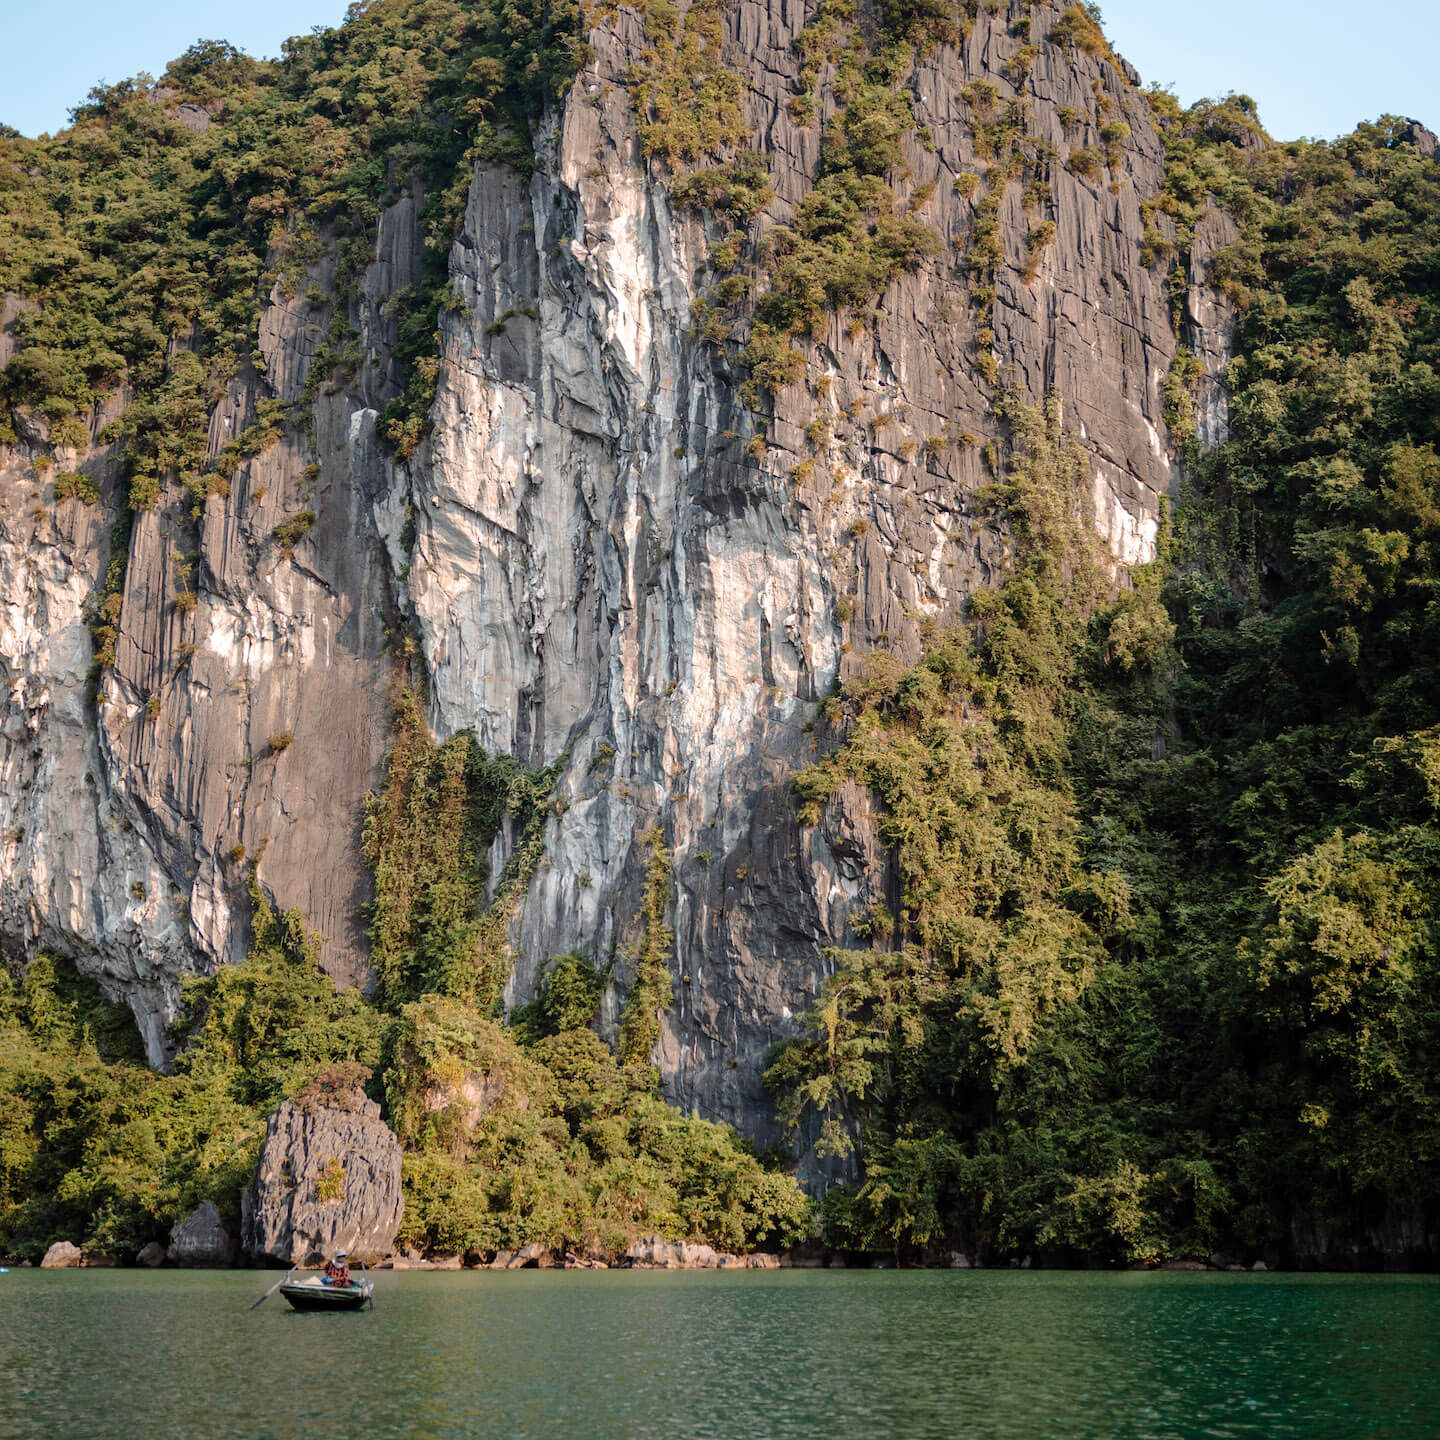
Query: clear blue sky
[1315,66]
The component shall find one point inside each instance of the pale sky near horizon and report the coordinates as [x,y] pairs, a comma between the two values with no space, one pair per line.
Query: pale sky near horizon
[1316,67]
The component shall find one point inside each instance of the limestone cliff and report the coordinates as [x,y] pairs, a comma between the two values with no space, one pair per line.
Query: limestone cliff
[328,1180]
[595,558]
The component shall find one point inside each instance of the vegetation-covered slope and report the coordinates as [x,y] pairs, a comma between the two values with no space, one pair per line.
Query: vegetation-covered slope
[1157,971]
[167,213]
[533,1133]
[1163,973]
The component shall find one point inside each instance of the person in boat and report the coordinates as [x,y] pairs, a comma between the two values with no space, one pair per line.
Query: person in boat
[337,1271]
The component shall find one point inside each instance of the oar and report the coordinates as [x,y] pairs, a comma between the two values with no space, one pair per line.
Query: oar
[273,1289]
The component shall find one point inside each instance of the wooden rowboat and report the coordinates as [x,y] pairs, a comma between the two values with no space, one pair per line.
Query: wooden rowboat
[313,1293]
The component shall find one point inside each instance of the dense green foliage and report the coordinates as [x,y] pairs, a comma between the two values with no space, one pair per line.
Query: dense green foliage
[144,244]
[570,994]
[427,835]
[653,990]
[534,1132]
[265,1029]
[98,1149]
[1165,975]
[687,101]
[1155,967]
[561,1143]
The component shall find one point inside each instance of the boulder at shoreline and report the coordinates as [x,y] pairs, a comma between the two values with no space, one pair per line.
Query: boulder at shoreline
[62,1255]
[652,1252]
[202,1240]
[328,1180]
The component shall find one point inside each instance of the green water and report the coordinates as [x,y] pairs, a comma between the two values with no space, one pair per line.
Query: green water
[759,1354]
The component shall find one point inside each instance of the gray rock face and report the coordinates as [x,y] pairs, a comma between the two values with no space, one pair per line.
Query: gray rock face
[128,821]
[1210,328]
[62,1255]
[202,1240]
[152,1255]
[600,562]
[1421,138]
[597,562]
[328,1179]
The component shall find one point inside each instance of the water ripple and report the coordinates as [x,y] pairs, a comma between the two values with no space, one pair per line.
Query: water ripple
[763,1356]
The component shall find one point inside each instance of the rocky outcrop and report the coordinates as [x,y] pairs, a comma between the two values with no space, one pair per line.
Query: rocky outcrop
[651,1252]
[152,1255]
[532,1256]
[584,1262]
[62,1255]
[1423,139]
[328,1179]
[1210,327]
[129,815]
[1399,1237]
[595,558]
[202,1240]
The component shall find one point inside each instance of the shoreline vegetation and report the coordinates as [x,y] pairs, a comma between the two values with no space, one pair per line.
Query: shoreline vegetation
[1155,978]
[1163,979]
[528,1135]
[802,1258]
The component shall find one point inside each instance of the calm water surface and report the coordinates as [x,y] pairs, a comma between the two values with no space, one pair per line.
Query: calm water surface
[737,1356]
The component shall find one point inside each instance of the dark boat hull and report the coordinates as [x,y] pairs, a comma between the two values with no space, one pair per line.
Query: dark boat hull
[327,1297]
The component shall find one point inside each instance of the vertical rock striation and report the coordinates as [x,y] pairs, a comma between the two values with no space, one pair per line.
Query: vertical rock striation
[595,558]
[328,1180]
[135,797]
[601,564]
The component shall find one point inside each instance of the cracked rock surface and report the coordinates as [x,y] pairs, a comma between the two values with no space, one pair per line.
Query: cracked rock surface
[591,556]
[328,1180]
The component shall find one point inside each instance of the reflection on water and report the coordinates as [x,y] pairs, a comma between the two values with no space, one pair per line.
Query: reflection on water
[981,1355]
